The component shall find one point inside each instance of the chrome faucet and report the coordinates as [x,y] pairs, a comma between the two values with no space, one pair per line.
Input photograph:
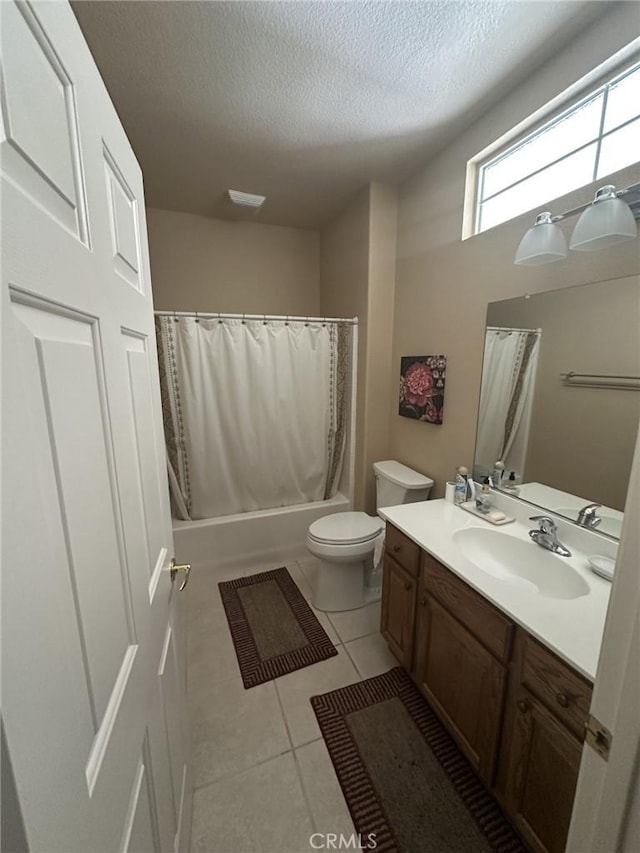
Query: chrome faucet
[587,516]
[546,536]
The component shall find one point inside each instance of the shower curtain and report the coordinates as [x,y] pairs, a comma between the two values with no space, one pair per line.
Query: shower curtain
[254,412]
[508,374]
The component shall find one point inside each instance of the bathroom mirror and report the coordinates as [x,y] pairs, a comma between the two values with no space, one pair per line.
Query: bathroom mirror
[560,397]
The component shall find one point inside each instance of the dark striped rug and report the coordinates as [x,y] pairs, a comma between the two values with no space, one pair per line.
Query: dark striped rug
[407,785]
[274,630]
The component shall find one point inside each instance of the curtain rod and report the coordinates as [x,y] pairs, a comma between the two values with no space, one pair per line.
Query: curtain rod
[353,321]
[510,329]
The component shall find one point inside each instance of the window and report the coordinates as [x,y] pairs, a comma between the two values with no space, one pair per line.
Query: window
[595,137]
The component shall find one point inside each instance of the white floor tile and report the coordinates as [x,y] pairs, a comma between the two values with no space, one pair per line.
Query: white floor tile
[300,580]
[229,573]
[371,655]
[261,810]
[309,567]
[305,585]
[211,658]
[202,591]
[351,624]
[296,688]
[324,795]
[323,619]
[233,729]
[266,566]
[203,620]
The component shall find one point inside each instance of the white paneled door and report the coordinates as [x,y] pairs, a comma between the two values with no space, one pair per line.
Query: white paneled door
[93,674]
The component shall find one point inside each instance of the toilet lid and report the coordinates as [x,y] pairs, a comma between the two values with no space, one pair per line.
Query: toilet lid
[346,527]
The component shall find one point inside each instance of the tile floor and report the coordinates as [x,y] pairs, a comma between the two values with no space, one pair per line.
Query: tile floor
[264,782]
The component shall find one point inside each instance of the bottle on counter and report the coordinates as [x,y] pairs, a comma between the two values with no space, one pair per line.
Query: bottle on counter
[483,498]
[510,485]
[462,486]
[497,475]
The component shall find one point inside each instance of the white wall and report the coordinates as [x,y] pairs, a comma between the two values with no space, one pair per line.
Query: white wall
[204,264]
[443,284]
[357,272]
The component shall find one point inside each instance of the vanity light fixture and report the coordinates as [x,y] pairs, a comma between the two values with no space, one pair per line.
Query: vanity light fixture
[542,244]
[606,221]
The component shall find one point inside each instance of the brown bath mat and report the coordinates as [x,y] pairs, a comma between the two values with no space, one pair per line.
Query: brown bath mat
[274,630]
[402,775]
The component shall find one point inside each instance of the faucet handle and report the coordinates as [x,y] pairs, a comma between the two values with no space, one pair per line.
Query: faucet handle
[590,509]
[587,516]
[546,524]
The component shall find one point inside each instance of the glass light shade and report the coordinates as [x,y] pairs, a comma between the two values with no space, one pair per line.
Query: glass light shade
[606,222]
[542,244]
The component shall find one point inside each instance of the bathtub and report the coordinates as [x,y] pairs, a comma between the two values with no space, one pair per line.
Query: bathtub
[252,537]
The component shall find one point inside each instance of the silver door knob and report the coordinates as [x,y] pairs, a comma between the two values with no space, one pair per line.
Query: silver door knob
[185,568]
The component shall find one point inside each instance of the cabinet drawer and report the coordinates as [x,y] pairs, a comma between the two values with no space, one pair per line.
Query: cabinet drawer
[553,681]
[481,618]
[402,549]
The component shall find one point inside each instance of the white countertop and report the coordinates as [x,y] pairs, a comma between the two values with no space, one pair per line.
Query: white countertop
[572,628]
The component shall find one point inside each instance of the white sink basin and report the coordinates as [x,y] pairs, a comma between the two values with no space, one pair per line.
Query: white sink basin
[609,524]
[525,563]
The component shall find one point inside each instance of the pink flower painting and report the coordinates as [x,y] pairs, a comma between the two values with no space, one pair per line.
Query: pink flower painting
[422,387]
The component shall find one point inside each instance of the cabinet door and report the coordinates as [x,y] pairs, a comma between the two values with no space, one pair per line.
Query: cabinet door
[398,610]
[463,681]
[543,762]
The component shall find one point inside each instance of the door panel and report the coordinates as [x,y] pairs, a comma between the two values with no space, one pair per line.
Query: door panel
[169,682]
[87,600]
[63,349]
[151,508]
[139,827]
[125,234]
[39,117]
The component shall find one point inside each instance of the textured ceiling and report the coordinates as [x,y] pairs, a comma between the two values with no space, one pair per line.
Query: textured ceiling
[305,102]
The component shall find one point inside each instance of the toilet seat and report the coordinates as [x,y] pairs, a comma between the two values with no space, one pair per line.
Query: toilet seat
[345,528]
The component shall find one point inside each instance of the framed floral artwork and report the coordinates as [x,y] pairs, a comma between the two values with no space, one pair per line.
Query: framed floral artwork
[422,387]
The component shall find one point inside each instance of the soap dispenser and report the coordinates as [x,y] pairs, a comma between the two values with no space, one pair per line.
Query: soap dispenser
[511,484]
[483,498]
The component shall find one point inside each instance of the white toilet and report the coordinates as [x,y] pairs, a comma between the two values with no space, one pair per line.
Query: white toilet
[345,541]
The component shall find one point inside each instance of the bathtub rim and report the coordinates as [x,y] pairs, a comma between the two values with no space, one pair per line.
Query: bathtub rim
[268,536]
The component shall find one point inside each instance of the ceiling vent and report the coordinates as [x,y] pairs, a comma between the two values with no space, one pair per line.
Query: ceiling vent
[243,205]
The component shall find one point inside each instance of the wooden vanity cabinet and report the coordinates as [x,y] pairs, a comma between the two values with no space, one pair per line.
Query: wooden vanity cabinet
[542,744]
[543,761]
[462,644]
[516,710]
[399,590]
[398,610]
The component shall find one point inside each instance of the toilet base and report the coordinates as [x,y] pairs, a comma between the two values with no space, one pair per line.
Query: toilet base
[340,586]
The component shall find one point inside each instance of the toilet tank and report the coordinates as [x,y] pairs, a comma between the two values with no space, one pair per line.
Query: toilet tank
[397,484]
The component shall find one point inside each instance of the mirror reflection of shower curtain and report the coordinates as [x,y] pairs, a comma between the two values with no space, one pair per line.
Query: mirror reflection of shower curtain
[508,377]
[254,412]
